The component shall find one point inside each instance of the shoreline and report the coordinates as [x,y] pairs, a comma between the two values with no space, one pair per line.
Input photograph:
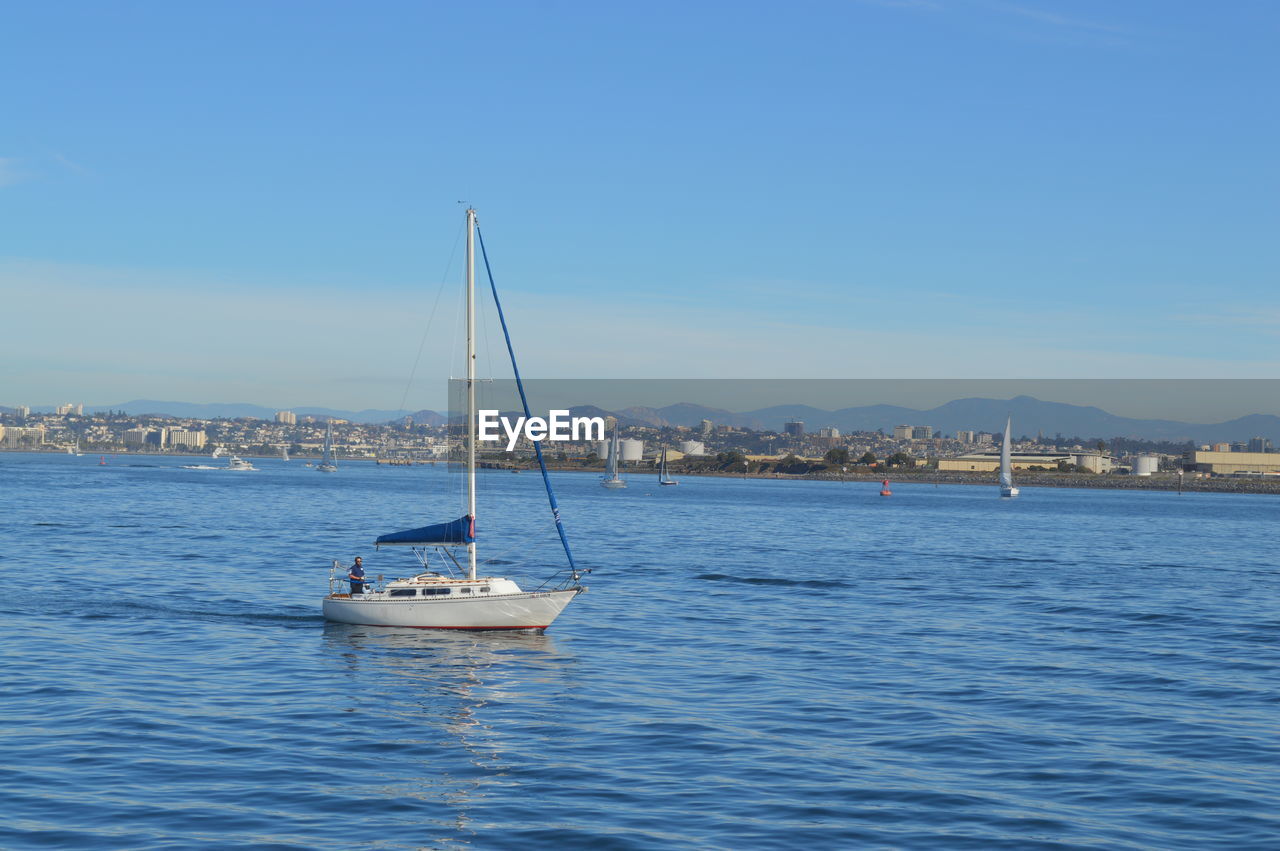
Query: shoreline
[1157,482]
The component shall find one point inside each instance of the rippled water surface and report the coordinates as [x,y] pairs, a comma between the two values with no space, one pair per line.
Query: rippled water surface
[757,664]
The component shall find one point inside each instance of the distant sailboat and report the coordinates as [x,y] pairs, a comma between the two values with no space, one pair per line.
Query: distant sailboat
[284,453]
[1006,464]
[327,464]
[611,478]
[663,477]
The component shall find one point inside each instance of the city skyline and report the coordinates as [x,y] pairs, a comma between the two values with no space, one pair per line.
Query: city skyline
[260,203]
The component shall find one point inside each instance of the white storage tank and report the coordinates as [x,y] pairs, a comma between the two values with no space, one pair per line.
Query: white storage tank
[602,449]
[631,449]
[693,447]
[1145,465]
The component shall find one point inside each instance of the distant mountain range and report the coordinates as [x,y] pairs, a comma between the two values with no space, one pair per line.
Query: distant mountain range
[233,410]
[1030,416]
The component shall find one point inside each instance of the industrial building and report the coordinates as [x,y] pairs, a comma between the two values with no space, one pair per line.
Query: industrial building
[989,462]
[1218,463]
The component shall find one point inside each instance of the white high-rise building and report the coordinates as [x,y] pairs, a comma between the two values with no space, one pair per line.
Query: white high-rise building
[189,439]
[286,418]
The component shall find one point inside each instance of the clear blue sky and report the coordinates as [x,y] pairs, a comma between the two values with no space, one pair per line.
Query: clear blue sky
[257,201]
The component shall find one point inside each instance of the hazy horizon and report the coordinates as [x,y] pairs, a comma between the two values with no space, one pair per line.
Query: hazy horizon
[1184,401]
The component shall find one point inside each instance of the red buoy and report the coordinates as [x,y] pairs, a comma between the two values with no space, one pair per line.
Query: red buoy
[884,490]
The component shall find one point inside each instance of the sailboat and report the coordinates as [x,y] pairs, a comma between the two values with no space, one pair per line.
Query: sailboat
[284,453]
[663,477]
[445,600]
[327,464]
[1006,464]
[611,477]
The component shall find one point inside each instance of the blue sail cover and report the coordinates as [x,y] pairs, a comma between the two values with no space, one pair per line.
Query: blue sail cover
[460,531]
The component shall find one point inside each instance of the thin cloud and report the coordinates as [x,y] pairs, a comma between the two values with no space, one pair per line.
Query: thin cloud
[10,171]
[1053,19]
[69,164]
[922,5]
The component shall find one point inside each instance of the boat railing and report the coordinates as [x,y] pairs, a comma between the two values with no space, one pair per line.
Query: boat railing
[337,582]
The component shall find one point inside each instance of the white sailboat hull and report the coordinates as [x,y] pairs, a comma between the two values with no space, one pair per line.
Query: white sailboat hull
[1008,491]
[613,483]
[526,610]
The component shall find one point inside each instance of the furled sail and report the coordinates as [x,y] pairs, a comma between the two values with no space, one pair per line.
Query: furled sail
[454,533]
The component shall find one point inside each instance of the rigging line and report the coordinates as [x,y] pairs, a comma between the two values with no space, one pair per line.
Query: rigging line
[423,342]
[524,401]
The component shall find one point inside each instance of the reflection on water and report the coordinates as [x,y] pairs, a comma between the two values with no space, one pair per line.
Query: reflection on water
[437,685]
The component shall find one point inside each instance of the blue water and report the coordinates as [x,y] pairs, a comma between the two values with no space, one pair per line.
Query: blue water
[757,665]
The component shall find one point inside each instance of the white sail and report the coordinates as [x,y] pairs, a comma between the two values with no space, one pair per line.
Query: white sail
[1006,463]
[327,464]
[611,478]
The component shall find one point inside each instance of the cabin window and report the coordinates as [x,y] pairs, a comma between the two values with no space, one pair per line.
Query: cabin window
[464,591]
[401,592]
[484,589]
[428,592]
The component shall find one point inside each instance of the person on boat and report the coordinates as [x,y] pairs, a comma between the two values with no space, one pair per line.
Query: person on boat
[356,576]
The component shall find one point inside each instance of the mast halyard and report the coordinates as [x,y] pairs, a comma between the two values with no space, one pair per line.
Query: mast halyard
[471,386]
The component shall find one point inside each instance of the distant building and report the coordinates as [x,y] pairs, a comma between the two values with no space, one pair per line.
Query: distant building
[23,411]
[630,449]
[986,462]
[902,432]
[64,410]
[18,436]
[693,447]
[286,418]
[922,432]
[1259,444]
[967,436]
[187,439]
[794,429]
[135,436]
[983,439]
[1220,463]
[828,432]
[158,437]
[706,427]
[1221,447]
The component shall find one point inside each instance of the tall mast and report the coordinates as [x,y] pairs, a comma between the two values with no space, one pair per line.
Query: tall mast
[471,386]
